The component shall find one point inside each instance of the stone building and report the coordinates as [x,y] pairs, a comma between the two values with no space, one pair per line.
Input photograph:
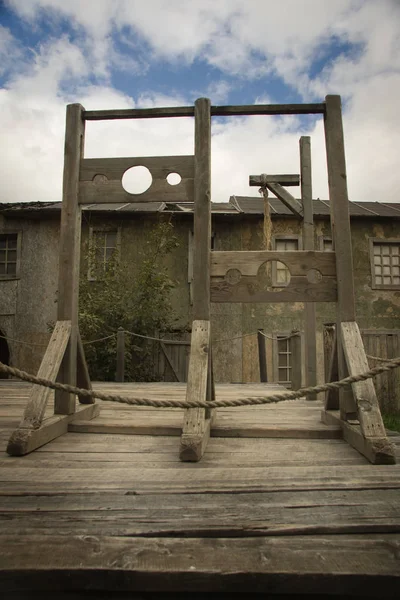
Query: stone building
[29,235]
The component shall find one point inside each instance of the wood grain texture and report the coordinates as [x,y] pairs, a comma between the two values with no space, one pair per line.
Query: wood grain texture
[288,200]
[108,188]
[24,440]
[49,368]
[368,410]
[202,211]
[196,427]
[310,321]
[69,251]
[189,111]
[341,233]
[82,372]
[287,180]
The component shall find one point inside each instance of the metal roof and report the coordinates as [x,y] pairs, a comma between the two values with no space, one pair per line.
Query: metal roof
[248,205]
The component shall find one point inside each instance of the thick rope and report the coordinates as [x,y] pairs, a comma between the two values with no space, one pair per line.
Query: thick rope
[250,401]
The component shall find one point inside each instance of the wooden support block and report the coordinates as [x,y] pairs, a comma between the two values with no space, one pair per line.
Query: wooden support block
[377,450]
[24,440]
[288,200]
[39,395]
[288,180]
[196,428]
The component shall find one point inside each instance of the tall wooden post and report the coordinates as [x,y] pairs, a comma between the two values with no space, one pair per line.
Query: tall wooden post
[310,328]
[69,254]
[202,210]
[341,234]
[197,421]
[262,356]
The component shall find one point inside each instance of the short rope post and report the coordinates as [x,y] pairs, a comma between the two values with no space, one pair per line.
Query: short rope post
[262,358]
[120,373]
[295,343]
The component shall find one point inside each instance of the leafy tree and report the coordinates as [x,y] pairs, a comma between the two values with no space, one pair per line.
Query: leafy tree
[137,300]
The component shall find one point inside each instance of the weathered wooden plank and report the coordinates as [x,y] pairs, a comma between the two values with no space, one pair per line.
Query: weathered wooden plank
[299,262]
[310,321]
[189,111]
[108,186]
[288,565]
[371,425]
[39,395]
[139,113]
[169,361]
[288,200]
[202,211]
[267,109]
[288,180]
[69,251]
[332,372]
[250,289]
[196,428]
[341,233]
[25,440]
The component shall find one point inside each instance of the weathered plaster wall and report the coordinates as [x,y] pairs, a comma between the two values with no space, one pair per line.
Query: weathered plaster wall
[28,304]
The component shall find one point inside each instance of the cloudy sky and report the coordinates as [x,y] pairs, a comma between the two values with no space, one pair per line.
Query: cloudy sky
[137,53]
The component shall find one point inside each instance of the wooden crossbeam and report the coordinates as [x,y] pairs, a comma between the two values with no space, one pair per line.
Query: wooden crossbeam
[196,427]
[288,180]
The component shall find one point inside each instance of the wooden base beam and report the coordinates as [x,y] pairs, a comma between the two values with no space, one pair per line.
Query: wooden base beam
[377,450]
[25,440]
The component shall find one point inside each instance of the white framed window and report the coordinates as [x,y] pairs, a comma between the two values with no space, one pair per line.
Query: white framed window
[325,244]
[385,263]
[282,347]
[283,243]
[104,248]
[10,254]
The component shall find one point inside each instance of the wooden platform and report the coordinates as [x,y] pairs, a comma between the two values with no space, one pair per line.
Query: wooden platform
[293,510]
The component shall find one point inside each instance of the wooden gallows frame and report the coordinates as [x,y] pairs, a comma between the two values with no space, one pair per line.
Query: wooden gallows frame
[218,277]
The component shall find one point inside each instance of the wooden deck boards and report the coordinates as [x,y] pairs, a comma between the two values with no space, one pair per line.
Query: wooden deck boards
[100,512]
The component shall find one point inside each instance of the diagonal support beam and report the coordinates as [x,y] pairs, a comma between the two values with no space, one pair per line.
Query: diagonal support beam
[286,197]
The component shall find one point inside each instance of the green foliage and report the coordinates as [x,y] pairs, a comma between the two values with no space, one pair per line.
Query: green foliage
[391,422]
[136,298]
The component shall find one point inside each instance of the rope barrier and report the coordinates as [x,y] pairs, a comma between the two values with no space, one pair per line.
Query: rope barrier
[23,343]
[249,401]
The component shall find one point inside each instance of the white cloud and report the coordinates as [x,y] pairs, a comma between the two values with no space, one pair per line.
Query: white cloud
[242,40]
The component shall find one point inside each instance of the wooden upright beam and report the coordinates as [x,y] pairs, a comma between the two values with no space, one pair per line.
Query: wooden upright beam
[310,329]
[69,254]
[341,235]
[196,425]
[202,211]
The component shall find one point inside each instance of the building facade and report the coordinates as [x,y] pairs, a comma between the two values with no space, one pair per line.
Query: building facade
[29,235]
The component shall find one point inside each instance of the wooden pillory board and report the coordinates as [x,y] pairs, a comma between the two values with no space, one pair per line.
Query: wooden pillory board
[218,276]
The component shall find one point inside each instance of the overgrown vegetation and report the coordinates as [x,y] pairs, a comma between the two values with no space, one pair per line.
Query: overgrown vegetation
[391,422]
[136,299]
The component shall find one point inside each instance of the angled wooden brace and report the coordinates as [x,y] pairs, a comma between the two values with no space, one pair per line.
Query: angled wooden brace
[35,431]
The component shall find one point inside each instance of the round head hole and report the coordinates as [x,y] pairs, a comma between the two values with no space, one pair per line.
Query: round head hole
[137,180]
[174,178]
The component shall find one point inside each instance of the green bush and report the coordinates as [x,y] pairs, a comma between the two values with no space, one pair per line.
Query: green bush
[137,301]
